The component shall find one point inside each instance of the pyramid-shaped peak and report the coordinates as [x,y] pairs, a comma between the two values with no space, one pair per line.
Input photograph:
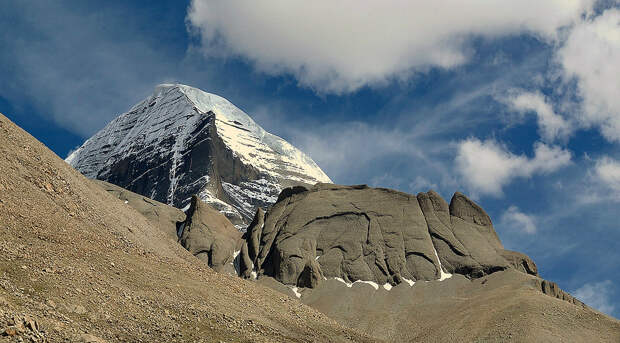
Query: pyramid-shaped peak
[181,141]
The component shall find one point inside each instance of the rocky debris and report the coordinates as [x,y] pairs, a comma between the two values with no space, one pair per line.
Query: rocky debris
[505,306]
[373,234]
[22,327]
[181,141]
[88,338]
[210,236]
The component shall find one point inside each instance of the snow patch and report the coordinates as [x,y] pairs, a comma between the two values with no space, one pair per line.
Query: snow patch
[252,144]
[342,280]
[295,290]
[373,284]
[442,275]
[350,284]
[409,282]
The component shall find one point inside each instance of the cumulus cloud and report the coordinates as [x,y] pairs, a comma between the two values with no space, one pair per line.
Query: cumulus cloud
[518,221]
[487,166]
[598,295]
[590,55]
[552,126]
[344,45]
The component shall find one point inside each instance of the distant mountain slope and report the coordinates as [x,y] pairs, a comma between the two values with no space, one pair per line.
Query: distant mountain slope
[76,263]
[182,141]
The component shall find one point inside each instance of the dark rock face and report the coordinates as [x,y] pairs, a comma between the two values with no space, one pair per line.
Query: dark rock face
[208,235]
[373,234]
[198,166]
[520,262]
[463,235]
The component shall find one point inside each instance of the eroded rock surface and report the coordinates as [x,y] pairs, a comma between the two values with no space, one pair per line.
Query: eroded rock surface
[210,236]
[373,234]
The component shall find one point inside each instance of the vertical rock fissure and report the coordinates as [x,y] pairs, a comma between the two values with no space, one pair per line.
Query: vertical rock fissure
[442,275]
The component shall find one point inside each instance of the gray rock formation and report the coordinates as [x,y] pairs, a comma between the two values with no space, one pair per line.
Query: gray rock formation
[208,235]
[552,289]
[358,233]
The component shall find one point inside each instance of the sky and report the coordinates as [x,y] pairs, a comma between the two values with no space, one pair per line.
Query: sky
[516,104]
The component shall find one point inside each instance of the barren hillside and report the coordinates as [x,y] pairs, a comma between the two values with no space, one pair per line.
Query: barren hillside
[78,264]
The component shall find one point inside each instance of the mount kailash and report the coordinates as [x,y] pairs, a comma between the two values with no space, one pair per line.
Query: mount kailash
[182,141]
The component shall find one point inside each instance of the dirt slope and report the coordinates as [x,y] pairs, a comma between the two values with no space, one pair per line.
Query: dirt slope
[506,306]
[77,264]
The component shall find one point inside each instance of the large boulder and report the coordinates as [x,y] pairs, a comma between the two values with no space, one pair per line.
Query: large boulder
[358,233]
[210,236]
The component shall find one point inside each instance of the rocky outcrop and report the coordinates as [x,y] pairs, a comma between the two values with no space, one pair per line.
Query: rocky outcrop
[358,233]
[520,262]
[208,235]
[202,230]
[552,289]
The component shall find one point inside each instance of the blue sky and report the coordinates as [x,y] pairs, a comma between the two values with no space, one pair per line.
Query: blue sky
[515,104]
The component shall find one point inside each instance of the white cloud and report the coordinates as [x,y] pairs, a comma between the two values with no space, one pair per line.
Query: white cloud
[551,125]
[590,55]
[516,220]
[486,166]
[607,171]
[344,45]
[597,295]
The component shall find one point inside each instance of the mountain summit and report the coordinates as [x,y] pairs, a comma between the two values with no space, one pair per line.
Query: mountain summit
[182,141]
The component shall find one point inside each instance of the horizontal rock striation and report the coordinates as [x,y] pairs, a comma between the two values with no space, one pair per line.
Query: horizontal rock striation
[358,233]
[181,141]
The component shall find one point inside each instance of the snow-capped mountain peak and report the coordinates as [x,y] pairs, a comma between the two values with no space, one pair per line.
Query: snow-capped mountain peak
[182,141]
